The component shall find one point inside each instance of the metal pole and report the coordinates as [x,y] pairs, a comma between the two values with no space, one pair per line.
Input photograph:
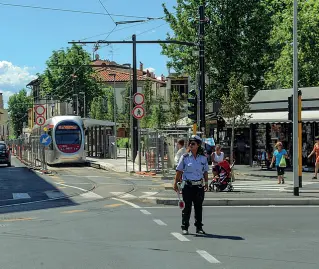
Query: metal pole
[135,131]
[77,105]
[202,67]
[84,106]
[139,147]
[295,99]
[131,118]
[114,111]
[300,139]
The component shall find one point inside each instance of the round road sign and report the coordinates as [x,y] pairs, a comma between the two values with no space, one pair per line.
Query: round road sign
[138,112]
[40,120]
[40,109]
[138,99]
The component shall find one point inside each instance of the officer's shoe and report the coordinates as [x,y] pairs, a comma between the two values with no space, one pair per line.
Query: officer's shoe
[185,232]
[200,231]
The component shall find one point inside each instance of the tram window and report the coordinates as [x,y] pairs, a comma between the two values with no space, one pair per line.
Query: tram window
[68,133]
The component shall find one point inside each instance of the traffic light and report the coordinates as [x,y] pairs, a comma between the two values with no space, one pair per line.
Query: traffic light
[192,106]
[290,108]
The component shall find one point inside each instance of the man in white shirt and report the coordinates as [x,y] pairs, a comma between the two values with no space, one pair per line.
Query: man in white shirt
[181,150]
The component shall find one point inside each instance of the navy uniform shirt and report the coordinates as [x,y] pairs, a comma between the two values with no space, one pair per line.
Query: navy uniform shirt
[193,169]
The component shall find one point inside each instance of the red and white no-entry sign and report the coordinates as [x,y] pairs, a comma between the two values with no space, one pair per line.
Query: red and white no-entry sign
[40,120]
[138,99]
[138,112]
[39,109]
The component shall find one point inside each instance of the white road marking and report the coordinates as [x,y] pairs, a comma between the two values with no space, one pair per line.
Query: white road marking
[128,196]
[148,194]
[207,256]
[180,237]
[233,206]
[127,202]
[145,212]
[17,196]
[117,193]
[62,184]
[90,195]
[54,194]
[159,222]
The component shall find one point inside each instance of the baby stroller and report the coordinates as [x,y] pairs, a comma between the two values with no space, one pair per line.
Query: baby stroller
[222,180]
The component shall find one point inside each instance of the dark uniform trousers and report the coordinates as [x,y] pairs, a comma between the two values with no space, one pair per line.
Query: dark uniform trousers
[192,194]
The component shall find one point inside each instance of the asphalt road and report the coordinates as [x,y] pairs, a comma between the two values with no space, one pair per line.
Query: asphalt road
[98,225]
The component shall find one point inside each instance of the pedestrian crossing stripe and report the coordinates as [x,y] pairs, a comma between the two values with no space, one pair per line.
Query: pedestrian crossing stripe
[131,196]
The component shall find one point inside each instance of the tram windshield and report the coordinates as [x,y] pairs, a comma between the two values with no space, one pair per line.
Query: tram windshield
[68,134]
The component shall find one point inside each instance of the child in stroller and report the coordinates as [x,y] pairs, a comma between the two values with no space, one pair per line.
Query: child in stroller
[222,176]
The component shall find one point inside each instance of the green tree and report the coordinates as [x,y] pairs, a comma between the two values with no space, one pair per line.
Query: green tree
[235,41]
[235,107]
[175,107]
[158,117]
[67,73]
[281,59]
[148,102]
[18,106]
[102,107]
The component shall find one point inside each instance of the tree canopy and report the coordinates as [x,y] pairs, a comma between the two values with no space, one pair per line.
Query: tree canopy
[18,105]
[235,41]
[69,72]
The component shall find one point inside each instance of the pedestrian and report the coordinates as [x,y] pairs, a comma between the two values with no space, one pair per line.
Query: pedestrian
[181,150]
[192,172]
[217,157]
[316,151]
[279,157]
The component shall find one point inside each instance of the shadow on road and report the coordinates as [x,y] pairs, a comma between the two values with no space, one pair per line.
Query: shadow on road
[217,236]
[22,189]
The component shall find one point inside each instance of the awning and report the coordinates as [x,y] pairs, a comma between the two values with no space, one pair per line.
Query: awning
[268,117]
[282,117]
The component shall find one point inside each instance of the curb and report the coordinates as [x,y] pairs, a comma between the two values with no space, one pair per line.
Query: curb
[247,201]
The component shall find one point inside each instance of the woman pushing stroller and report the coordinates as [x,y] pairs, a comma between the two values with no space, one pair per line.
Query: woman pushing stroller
[222,176]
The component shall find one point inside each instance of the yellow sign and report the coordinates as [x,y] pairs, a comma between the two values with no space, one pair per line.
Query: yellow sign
[45,129]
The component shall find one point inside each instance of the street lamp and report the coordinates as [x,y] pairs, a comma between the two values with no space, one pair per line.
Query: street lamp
[83,102]
[114,113]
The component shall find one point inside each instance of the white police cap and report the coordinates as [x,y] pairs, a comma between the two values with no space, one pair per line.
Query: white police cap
[195,138]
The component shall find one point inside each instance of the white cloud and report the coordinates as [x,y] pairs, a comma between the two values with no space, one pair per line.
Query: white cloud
[13,78]
[150,69]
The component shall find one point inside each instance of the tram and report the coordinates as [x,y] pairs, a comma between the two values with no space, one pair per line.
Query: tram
[68,139]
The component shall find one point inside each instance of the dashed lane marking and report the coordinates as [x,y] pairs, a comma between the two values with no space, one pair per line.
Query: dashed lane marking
[16,219]
[126,202]
[113,205]
[145,212]
[207,256]
[159,222]
[73,211]
[180,237]
[90,195]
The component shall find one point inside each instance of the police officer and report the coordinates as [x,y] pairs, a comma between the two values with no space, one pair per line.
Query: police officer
[192,172]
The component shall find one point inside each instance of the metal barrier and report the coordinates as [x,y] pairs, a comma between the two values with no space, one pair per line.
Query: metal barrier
[30,152]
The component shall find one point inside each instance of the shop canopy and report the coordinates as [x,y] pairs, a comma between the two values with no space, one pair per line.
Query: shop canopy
[281,117]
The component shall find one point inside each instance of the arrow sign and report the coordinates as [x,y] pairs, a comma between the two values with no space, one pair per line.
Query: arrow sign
[45,140]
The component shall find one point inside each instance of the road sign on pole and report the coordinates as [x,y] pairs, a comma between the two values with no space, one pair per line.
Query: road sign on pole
[39,109]
[138,99]
[138,112]
[40,120]
[45,140]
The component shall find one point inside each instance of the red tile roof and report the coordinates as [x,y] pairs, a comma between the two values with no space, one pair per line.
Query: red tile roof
[104,74]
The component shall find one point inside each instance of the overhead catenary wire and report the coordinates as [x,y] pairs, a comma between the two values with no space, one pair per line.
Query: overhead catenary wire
[108,13]
[78,11]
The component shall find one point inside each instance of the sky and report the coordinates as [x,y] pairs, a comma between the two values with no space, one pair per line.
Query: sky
[28,36]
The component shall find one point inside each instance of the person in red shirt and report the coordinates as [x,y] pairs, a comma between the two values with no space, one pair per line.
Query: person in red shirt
[316,150]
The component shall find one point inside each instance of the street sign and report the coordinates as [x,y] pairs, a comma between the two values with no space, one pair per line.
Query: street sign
[138,99]
[40,120]
[138,112]
[45,140]
[40,109]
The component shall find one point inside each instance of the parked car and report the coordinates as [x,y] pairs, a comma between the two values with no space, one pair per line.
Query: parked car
[5,154]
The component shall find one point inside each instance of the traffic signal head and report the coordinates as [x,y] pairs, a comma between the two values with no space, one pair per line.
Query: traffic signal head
[192,105]
[290,108]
